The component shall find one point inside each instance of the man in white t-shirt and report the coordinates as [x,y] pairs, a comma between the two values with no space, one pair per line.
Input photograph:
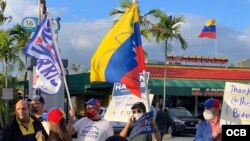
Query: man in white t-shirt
[92,127]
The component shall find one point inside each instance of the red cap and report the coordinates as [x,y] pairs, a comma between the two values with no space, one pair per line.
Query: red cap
[55,115]
[212,102]
[93,102]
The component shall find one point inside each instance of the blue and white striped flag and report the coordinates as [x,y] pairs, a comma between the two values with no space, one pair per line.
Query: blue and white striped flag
[43,47]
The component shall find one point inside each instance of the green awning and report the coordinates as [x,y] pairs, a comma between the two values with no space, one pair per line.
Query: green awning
[80,84]
[187,83]
[182,87]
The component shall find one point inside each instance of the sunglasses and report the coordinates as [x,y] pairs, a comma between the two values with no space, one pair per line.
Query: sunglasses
[136,111]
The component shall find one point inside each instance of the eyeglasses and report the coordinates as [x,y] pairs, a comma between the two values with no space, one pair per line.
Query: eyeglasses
[136,111]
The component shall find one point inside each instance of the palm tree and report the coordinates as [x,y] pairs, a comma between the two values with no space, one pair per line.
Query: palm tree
[75,67]
[166,30]
[21,37]
[3,19]
[144,22]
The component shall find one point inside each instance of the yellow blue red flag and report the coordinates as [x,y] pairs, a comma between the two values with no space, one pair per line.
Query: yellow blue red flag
[209,30]
[119,57]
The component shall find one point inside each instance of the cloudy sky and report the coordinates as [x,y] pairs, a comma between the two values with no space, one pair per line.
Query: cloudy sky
[85,22]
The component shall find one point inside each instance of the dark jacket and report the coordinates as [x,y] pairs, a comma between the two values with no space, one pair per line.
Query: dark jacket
[12,131]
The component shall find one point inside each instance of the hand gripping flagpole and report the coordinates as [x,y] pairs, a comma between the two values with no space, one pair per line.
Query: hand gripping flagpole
[61,64]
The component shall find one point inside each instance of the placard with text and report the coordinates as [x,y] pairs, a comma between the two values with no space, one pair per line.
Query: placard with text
[236,104]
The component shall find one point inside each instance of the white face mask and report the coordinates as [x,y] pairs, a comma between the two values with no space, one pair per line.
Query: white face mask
[208,114]
[137,115]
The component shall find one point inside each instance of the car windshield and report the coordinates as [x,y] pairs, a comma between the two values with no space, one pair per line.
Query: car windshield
[178,112]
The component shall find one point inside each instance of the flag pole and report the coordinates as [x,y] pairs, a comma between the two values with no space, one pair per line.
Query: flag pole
[61,64]
[146,90]
[216,48]
[146,83]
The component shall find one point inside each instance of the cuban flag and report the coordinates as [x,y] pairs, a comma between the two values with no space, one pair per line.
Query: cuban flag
[42,46]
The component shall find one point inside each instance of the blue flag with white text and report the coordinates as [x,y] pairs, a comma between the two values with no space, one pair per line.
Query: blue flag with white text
[42,46]
[142,126]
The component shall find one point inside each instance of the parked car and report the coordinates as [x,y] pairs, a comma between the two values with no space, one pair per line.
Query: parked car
[181,121]
[117,125]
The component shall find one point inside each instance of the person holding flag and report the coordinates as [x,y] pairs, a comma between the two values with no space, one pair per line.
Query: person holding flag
[49,68]
[137,127]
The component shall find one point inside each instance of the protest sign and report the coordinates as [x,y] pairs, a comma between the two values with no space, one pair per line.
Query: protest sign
[119,108]
[121,89]
[236,104]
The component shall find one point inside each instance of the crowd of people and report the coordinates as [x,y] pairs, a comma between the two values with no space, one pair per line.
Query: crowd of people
[33,123]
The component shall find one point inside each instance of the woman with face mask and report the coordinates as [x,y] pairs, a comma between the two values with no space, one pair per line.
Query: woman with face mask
[138,110]
[210,129]
[92,127]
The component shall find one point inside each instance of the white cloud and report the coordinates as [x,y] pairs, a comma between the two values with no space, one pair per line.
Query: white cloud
[78,40]
[19,9]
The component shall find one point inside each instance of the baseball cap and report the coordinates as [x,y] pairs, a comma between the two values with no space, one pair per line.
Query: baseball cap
[93,102]
[55,115]
[211,102]
[139,105]
[39,98]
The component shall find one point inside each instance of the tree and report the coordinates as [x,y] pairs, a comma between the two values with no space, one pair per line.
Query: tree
[74,67]
[77,68]
[3,19]
[168,29]
[21,37]
[144,22]
[165,31]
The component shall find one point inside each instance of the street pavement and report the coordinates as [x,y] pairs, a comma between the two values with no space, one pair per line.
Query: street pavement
[168,137]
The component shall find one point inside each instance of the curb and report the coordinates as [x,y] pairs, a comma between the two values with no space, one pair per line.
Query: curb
[166,136]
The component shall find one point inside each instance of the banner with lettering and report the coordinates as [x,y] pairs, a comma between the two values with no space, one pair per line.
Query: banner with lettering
[119,108]
[236,104]
[121,89]
[43,47]
[142,125]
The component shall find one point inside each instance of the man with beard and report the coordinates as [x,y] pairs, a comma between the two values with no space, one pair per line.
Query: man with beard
[38,107]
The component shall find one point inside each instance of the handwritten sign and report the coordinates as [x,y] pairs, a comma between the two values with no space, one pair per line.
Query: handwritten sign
[236,104]
[119,108]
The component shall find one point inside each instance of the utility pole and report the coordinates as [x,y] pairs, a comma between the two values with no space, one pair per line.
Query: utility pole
[41,11]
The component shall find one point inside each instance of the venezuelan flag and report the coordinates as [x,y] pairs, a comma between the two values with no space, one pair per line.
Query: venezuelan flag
[209,30]
[119,57]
